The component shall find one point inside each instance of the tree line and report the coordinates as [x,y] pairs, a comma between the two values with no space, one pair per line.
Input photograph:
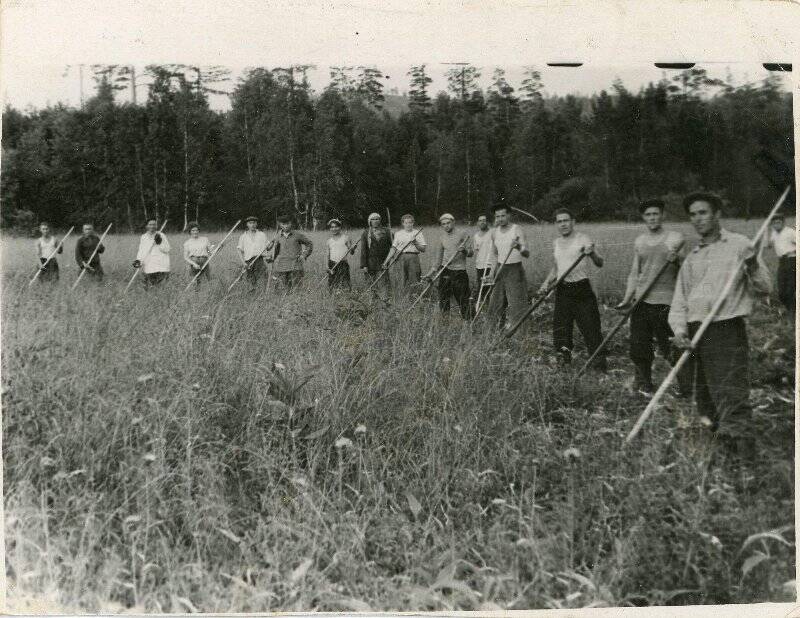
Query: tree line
[352,149]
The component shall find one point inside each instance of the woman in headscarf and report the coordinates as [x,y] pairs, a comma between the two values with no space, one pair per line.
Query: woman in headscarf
[376,241]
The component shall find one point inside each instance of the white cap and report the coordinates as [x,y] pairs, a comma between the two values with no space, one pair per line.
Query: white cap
[446,216]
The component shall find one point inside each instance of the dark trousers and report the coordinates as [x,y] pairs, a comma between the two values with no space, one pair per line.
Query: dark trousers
[786,281]
[154,279]
[383,288]
[205,273]
[96,274]
[648,323]
[575,303]
[454,283]
[50,272]
[256,271]
[720,365]
[290,279]
[340,277]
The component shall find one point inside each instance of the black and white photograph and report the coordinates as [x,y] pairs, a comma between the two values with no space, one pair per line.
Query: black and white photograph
[289,330]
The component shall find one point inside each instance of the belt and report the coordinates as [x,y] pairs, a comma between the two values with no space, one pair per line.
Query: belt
[410,253]
[583,281]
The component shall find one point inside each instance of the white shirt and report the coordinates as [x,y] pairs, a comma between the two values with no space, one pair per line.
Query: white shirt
[196,247]
[482,246]
[502,241]
[401,238]
[252,244]
[784,242]
[337,247]
[154,258]
[566,251]
[46,247]
[703,275]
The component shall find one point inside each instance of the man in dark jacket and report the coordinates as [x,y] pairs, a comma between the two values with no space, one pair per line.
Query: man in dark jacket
[84,249]
[376,241]
[290,252]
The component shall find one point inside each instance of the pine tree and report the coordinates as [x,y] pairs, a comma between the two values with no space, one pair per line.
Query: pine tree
[418,92]
[532,89]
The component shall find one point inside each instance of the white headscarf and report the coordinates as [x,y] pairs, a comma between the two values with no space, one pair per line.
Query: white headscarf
[371,230]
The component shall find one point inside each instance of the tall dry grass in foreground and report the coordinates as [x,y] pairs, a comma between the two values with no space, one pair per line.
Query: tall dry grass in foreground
[299,452]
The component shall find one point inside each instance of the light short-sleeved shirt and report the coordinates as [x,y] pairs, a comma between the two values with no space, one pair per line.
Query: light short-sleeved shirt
[566,251]
[252,244]
[337,247]
[653,254]
[503,239]
[196,247]
[703,275]
[784,242]
[482,245]
[401,238]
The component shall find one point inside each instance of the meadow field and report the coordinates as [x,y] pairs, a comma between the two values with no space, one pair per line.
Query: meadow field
[170,452]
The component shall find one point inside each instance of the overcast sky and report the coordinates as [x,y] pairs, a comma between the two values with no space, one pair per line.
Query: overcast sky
[43,85]
[613,39]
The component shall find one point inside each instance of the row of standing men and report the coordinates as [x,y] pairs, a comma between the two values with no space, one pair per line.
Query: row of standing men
[668,315]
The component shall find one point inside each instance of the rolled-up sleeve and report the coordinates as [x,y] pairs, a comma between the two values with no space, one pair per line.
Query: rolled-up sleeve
[679,309]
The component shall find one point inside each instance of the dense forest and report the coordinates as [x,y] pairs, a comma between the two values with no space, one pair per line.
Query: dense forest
[349,150]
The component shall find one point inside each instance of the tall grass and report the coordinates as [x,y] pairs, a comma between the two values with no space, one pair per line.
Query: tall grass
[173,452]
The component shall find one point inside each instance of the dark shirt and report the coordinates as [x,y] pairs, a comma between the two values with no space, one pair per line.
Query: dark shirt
[288,249]
[84,249]
[374,248]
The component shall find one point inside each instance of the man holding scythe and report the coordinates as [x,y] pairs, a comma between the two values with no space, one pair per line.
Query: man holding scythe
[153,255]
[87,252]
[720,362]
[510,285]
[376,242]
[451,260]
[652,252]
[575,301]
[251,247]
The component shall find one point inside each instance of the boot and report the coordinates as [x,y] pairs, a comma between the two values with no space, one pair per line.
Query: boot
[684,387]
[644,379]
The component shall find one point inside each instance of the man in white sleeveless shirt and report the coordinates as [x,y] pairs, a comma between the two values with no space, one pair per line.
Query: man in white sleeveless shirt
[46,248]
[510,285]
[575,301]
